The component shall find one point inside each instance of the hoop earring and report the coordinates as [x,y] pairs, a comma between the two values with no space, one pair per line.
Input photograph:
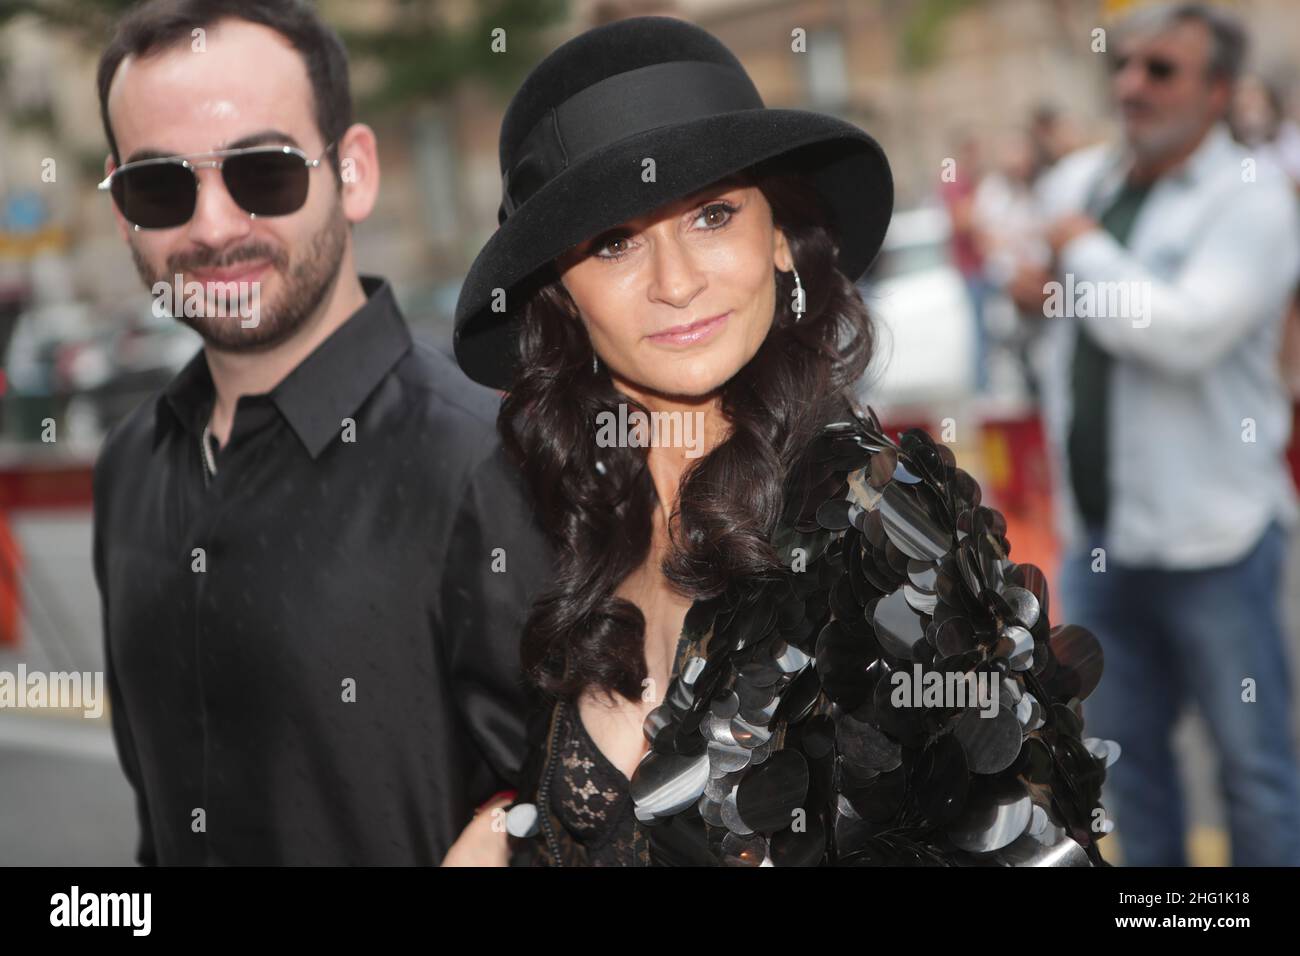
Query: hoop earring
[800,305]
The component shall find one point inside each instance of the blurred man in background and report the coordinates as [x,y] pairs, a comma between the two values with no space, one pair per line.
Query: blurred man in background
[1053,135]
[1175,255]
[1260,120]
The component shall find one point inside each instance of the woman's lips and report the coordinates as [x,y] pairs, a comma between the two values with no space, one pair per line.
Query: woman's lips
[692,333]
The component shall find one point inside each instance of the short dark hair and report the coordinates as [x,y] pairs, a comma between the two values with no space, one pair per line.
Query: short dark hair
[1228,56]
[157,24]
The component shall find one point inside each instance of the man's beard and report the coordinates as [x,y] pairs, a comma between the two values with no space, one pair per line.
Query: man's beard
[1154,144]
[306,285]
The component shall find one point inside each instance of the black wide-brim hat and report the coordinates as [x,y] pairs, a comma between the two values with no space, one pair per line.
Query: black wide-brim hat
[576,134]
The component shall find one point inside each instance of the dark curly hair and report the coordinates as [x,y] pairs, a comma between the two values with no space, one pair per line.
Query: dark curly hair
[597,504]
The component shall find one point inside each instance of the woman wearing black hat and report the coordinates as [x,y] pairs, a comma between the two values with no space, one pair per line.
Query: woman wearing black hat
[780,637]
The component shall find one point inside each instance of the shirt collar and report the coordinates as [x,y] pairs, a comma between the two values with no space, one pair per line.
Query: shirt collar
[325,387]
[1206,157]
[183,400]
[1202,161]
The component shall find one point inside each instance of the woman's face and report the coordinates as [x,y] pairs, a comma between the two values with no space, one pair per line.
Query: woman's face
[678,301]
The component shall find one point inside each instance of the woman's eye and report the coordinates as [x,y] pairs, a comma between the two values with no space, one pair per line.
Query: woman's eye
[717,214]
[601,246]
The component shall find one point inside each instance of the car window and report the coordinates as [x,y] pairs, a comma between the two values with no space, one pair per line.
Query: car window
[902,260]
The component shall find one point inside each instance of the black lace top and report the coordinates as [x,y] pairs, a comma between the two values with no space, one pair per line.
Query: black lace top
[591,796]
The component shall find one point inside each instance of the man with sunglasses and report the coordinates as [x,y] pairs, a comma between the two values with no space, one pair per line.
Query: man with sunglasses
[1169,422]
[313,558]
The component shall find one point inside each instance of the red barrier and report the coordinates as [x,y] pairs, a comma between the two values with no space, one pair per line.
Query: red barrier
[1293,450]
[33,481]
[45,485]
[1018,482]
[11,567]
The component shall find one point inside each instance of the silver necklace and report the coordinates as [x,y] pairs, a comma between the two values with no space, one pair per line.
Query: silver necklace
[208,461]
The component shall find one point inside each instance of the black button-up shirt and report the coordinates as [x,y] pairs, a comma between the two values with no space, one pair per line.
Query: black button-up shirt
[314,657]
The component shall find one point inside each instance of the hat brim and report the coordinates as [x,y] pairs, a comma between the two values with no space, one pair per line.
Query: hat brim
[605,188]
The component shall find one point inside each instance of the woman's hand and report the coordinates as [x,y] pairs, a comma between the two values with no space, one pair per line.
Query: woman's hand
[481,844]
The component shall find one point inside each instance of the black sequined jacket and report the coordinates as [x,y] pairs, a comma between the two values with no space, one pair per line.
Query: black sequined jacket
[895,696]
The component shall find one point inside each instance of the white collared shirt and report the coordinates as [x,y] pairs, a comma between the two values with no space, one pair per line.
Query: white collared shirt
[1199,418]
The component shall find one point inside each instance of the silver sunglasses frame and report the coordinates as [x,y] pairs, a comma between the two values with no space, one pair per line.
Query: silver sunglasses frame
[221,155]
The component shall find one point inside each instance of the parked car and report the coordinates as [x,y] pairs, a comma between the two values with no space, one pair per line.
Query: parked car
[88,370]
[925,326]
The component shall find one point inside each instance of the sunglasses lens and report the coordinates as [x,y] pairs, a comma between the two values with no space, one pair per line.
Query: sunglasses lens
[268,184]
[157,196]
[1160,69]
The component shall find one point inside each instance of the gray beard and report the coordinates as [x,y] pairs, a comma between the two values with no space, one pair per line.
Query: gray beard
[1164,142]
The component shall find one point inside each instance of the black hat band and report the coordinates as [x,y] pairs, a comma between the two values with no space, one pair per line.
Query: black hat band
[617,107]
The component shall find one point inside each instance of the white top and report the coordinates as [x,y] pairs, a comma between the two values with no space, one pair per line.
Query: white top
[1007,214]
[1199,417]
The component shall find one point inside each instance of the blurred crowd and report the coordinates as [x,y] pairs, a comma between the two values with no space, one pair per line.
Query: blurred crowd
[997,224]
[1147,288]
[998,220]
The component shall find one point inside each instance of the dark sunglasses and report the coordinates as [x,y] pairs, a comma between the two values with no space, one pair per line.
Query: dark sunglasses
[262,180]
[1159,70]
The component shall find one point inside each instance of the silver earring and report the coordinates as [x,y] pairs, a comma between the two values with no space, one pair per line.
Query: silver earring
[136,227]
[595,364]
[800,307]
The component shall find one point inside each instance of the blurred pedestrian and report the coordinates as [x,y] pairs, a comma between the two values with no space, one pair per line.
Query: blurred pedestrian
[957,191]
[1174,263]
[1053,135]
[1259,119]
[1009,230]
